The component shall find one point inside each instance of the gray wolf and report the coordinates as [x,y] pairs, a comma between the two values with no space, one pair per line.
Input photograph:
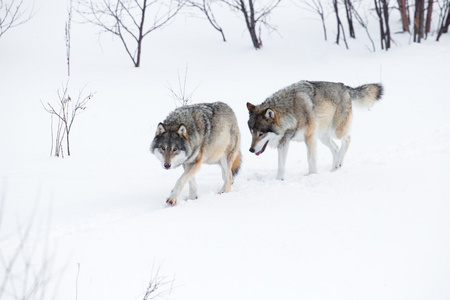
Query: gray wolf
[308,111]
[196,134]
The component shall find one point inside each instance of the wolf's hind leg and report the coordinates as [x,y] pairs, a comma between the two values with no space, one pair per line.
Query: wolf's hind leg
[328,141]
[227,175]
[282,155]
[193,189]
[311,145]
[341,153]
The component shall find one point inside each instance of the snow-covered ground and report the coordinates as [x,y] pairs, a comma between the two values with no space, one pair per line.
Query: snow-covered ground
[379,228]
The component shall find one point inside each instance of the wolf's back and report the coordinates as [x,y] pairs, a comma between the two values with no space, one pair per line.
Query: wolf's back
[367,94]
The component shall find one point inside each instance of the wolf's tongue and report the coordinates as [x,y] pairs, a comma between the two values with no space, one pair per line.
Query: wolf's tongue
[262,150]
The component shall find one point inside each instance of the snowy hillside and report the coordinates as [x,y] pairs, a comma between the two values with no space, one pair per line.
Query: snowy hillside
[96,224]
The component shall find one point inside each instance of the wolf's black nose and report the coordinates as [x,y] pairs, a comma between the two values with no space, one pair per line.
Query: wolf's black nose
[252,150]
[167,166]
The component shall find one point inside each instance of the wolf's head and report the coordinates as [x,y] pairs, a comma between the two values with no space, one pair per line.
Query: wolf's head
[170,145]
[263,124]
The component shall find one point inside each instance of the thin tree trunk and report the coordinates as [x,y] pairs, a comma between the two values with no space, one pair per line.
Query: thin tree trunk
[338,21]
[141,35]
[380,19]
[250,22]
[324,28]
[402,4]
[339,25]
[429,16]
[419,20]
[447,22]
[348,10]
[443,28]
[67,141]
[386,23]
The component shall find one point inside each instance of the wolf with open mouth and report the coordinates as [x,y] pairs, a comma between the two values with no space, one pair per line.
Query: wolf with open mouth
[308,111]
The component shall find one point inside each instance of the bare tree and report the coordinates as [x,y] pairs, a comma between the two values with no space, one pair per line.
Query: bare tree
[65,111]
[382,10]
[205,7]
[255,13]
[444,18]
[130,20]
[12,14]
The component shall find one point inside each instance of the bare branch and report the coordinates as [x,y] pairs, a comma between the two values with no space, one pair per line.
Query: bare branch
[181,96]
[205,7]
[364,23]
[130,20]
[156,282]
[316,6]
[254,13]
[12,14]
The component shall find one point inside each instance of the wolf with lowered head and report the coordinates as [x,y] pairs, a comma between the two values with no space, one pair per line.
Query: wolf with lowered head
[308,111]
[196,134]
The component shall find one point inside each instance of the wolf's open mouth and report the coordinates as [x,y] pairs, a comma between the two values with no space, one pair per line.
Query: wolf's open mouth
[263,148]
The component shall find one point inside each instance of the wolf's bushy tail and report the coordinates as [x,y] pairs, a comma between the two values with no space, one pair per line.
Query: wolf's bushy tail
[236,164]
[367,94]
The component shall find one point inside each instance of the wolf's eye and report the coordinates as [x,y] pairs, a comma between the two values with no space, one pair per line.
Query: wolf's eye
[260,134]
[175,149]
[163,148]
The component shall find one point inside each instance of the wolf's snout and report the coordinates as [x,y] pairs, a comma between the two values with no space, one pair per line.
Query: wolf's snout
[167,166]
[252,150]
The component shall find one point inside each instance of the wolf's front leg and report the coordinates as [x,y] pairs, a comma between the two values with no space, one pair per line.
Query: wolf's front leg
[188,175]
[282,155]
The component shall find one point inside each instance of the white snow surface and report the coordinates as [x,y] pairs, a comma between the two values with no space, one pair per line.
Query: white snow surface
[379,228]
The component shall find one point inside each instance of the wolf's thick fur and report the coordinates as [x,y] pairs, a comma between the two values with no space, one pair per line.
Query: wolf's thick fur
[196,134]
[307,111]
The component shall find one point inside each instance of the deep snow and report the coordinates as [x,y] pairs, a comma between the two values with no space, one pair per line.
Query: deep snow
[376,229]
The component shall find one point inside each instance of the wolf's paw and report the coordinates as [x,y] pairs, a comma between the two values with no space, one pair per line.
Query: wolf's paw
[280,177]
[224,190]
[193,197]
[335,168]
[172,201]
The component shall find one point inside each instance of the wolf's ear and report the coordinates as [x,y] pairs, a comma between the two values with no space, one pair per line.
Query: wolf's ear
[270,114]
[250,107]
[160,129]
[182,131]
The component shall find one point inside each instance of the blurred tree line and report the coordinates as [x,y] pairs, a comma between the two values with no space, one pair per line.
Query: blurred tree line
[416,17]
[133,20]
